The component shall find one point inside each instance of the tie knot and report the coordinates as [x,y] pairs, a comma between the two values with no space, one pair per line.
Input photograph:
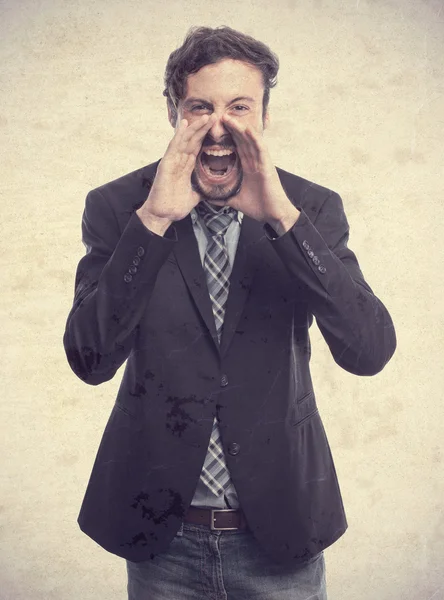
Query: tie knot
[216,220]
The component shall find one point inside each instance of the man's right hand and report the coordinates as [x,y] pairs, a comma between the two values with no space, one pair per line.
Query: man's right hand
[171,197]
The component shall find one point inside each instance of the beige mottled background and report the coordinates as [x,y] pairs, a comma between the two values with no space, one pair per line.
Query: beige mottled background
[359,108]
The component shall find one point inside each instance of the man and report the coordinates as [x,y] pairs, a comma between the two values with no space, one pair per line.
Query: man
[214,476]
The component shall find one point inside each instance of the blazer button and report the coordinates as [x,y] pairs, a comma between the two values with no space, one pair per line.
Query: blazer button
[127,277]
[306,244]
[136,261]
[233,448]
[223,381]
[322,269]
[316,260]
[310,253]
[133,270]
[140,251]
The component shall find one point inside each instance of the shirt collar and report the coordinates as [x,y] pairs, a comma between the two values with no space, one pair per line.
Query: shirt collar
[195,216]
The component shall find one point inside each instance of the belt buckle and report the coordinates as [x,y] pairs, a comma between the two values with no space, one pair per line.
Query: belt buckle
[213,527]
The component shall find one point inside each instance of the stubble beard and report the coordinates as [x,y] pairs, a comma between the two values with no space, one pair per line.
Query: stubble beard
[222,193]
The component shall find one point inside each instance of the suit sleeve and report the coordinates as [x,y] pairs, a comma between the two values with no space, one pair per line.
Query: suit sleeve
[353,321]
[113,284]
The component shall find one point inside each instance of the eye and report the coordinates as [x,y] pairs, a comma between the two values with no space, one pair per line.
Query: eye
[239,106]
[198,107]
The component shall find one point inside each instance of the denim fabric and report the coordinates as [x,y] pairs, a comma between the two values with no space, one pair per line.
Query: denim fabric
[212,565]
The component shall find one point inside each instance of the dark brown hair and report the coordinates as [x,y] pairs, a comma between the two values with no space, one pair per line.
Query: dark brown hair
[203,46]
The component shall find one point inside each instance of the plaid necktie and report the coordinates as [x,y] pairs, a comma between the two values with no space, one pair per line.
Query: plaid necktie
[217,268]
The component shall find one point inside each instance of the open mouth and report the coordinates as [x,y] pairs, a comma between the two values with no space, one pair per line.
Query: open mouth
[218,164]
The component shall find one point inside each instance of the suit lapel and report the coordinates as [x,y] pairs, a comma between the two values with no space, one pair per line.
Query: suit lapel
[188,258]
[241,278]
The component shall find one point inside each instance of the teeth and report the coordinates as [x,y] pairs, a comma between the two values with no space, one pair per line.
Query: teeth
[218,152]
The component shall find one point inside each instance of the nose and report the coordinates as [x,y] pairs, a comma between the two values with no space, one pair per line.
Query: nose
[218,131]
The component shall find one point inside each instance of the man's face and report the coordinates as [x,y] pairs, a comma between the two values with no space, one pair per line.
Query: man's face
[228,87]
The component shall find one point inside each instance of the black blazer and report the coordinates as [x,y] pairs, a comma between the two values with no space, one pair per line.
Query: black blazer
[143,297]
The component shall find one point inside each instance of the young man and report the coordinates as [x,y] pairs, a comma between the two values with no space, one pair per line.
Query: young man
[214,477]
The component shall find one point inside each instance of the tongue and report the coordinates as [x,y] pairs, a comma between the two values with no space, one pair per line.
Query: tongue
[217,163]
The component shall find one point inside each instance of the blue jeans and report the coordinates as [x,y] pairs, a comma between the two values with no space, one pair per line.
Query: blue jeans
[201,564]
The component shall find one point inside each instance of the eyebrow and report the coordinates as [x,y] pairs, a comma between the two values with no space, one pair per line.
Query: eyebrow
[190,101]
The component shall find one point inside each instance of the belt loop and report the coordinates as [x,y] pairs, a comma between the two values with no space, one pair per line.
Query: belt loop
[180,531]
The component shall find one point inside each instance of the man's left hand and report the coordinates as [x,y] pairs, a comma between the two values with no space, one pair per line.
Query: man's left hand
[261,196]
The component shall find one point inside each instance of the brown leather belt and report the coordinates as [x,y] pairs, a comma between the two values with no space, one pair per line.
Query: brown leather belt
[227,519]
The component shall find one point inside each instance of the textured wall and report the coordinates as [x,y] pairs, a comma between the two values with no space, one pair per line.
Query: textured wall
[359,108]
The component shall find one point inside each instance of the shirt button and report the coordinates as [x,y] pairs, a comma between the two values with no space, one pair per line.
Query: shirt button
[127,277]
[223,380]
[233,448]
[140,251]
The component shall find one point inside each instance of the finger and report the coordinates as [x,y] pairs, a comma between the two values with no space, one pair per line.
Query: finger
[234,127]
[193,139]
[255,144]
[182,152]
[236,132]
[178,133]
[247,145]
[185,165]
[252,141]
[195,128]
[240,134]
[186,130]
[182,129]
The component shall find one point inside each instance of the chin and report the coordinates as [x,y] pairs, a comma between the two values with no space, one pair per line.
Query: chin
[216,193]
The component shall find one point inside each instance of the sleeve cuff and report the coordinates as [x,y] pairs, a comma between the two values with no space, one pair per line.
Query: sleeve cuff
[271,234]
